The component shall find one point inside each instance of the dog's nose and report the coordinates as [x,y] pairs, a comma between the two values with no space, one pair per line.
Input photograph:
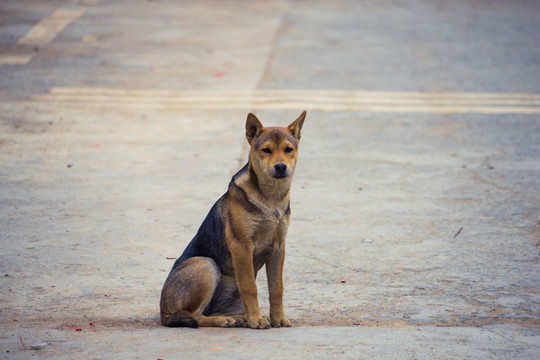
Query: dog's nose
[280,168]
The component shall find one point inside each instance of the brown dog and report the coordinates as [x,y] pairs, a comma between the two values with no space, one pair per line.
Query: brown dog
[213,281]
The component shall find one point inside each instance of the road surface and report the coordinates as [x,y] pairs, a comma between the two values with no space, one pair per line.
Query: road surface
[415,226]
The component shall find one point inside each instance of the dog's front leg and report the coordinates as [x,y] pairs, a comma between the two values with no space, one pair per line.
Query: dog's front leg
[274,273]
[242,258]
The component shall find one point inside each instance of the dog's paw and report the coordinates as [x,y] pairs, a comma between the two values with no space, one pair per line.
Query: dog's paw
[259,323]
[241,320]
[281,323]
[226,322]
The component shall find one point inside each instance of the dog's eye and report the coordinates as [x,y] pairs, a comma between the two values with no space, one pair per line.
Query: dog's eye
[267,150]
[288,149]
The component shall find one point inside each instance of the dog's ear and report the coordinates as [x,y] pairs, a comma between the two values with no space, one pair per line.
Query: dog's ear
[254,128]
[296,126]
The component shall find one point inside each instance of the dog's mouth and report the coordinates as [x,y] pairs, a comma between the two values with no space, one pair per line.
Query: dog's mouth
[280,176]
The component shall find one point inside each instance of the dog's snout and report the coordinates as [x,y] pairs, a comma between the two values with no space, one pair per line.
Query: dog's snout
[280,168]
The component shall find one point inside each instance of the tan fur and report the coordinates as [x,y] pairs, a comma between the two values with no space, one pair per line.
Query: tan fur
[244,231]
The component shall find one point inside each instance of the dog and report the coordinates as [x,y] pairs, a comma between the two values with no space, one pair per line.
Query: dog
[212,284]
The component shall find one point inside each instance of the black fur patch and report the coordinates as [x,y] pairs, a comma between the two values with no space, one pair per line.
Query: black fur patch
[275,135]
[210,241]
[243,199]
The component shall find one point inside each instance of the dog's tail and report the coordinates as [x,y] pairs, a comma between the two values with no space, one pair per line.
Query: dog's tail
[179,319]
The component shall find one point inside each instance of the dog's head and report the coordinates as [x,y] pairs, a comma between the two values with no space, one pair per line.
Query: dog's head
[274,150]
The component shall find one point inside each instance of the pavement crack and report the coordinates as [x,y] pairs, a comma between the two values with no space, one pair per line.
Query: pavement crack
[273,46]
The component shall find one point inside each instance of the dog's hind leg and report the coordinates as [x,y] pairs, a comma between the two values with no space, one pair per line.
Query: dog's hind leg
[227,301]
[188,291]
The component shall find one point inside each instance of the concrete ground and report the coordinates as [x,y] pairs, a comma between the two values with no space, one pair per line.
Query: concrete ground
[415,227]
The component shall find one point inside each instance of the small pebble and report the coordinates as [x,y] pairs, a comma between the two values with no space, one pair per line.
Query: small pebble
[38,346]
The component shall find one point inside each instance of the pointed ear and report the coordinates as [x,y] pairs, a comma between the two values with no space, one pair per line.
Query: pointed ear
[296,126]
[254,128]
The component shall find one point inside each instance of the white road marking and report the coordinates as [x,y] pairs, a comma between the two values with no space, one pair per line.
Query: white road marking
[41,34]
[14,59]
[322,100]
[46,30]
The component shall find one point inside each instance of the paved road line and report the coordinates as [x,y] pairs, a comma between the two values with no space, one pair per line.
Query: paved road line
[292,92]
[40,34]
[46,30]
[300,105]
[322,100]
[14,59]
[276,99]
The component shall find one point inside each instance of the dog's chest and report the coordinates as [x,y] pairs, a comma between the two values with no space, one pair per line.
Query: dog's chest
[269,235]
